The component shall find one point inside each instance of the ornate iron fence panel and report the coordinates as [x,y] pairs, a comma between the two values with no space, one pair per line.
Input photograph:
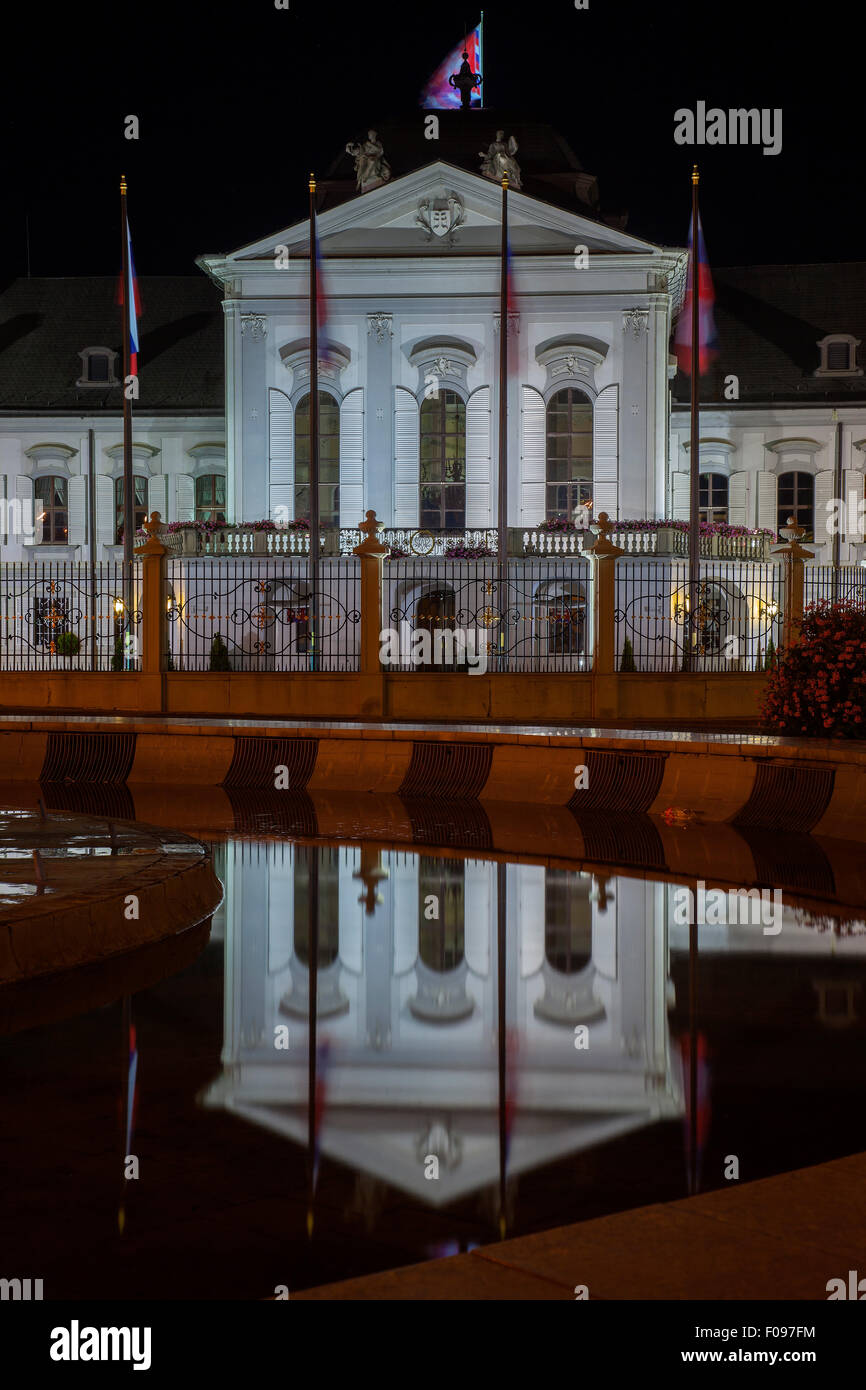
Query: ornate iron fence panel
[827,584]
[738,615]
[59,615]
[477,615]
[250,615]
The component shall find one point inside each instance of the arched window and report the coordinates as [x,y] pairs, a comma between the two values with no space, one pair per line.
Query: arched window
[569,453]
[329,459]
[210,497]
[51,503]
[440,943]
[567,921]
[713,497]
[563,609]
[443,462]
[435,612]
[796,498]
[139,505]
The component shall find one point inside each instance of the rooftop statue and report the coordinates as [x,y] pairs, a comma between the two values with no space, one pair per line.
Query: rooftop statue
[371,167]
[499,160]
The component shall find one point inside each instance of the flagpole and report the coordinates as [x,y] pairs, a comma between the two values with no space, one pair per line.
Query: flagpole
[313,1118]
[313,627]
[694,446]
[502,510]
[128,503]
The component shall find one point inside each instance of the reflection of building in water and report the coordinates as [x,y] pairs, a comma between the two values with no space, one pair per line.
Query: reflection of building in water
[408,997]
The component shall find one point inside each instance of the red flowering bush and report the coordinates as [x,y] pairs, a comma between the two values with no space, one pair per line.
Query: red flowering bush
[818,684]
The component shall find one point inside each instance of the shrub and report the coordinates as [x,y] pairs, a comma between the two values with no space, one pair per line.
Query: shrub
[117,655]
[626,661]
[817,685]
[219,655]
[67,644]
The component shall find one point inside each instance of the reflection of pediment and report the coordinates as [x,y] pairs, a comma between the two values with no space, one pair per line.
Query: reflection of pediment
[385,1143]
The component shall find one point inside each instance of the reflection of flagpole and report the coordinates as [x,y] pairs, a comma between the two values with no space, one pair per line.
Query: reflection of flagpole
[129,1053]
[481,57]
[313,626]
[501,1038]
[313,972]
[693,1057]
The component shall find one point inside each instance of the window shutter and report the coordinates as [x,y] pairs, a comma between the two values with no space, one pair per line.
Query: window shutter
[4,511]
[77,523]
[352,459]
[838,357]
[478,502]
[767,519]
[106,531]
[406,458]
[185,494]
[738,499]
[24,496]
[605,452]
[852,527]
[680,497]
[823,495]
[532,457]
[157,496]
[281,455]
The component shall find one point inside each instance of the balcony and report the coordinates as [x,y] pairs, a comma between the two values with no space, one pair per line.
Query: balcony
[641,539]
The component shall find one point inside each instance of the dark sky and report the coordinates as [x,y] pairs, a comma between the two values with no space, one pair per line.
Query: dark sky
[238,101]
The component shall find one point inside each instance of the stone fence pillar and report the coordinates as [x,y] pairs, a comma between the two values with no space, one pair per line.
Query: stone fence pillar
[371,553]
[604,555]
[794,557]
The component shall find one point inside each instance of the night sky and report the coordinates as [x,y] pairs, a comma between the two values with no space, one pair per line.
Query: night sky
[238,101]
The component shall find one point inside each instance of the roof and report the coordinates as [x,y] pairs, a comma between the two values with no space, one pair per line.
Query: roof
[770,319]
[45,323]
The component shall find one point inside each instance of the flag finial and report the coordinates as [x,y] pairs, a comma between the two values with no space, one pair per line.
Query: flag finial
[312,184]
[123,183]
[504,180]
[695,175]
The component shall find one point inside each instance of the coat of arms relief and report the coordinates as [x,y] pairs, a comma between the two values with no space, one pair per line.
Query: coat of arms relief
[441,216]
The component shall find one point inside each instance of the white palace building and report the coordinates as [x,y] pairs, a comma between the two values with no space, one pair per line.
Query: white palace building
[410,265]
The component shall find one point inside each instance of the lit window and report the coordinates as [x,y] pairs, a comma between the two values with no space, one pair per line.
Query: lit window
[569,454]
[796,498]
[329,460]
[443,462]
[713,497]
[51,503]
[139,506]
[210,498]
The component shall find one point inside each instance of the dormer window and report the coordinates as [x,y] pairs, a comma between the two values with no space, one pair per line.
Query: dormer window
[839,355]
[97,367]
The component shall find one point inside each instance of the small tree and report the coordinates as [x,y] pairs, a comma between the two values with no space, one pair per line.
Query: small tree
[67,644]
[626,661]
[117,655]
[770,656]
[219,655]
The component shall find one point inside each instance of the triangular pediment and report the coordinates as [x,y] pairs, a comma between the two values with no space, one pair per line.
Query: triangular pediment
[385,221]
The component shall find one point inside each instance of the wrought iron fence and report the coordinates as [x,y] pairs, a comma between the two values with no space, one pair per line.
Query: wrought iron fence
[58,615]
[738,614]
[486,615]
[262,615]
[828,584]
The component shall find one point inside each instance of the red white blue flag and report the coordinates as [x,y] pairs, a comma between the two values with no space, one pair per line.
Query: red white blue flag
[439,95]
[132,298]
[708,343]
[322,314]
